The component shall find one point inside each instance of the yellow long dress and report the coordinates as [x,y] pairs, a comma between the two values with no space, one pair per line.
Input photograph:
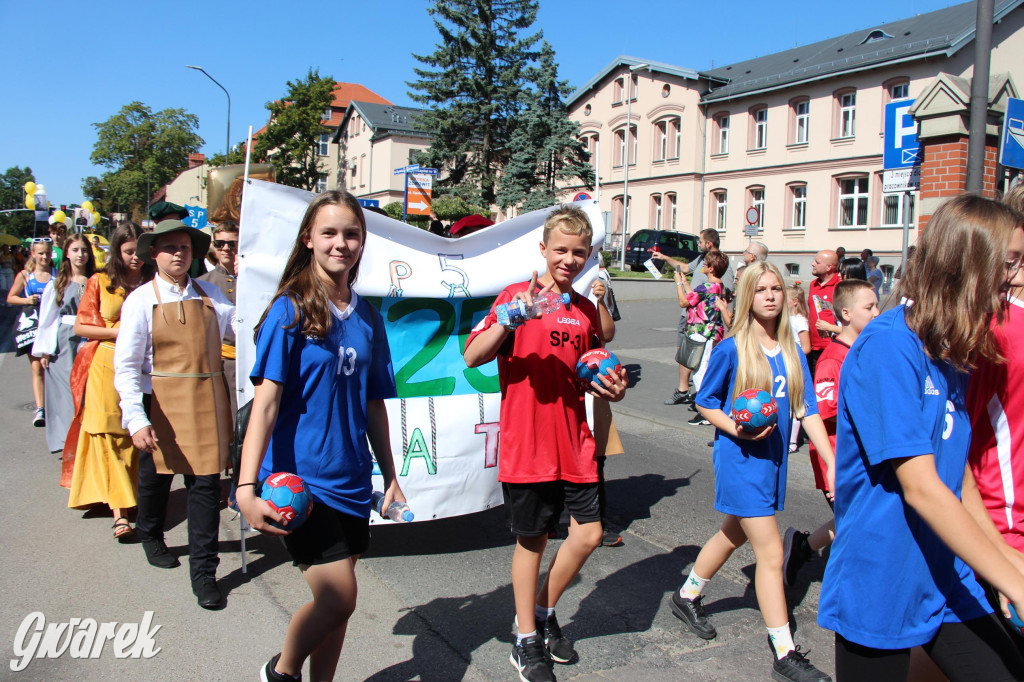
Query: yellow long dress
[105,461]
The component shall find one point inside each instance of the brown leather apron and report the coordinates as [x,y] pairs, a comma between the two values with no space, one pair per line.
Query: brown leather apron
[190,413]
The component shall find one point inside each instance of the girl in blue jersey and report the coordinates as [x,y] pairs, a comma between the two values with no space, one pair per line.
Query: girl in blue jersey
[910,524]
[321,375]
[750,470]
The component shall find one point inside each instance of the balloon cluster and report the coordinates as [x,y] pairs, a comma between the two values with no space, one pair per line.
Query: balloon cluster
[92,216]
[35,197]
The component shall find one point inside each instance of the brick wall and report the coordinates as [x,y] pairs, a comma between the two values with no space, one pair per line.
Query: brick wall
[944,172]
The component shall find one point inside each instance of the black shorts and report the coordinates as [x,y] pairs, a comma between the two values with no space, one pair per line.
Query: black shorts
[328,535]
[534,508]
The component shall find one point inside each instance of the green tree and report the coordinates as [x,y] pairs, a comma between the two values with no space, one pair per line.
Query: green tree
[236,155]
[144,151]
[292,136]
[546,151]
[473,87]
[12,197]
[94,190]
[450,208]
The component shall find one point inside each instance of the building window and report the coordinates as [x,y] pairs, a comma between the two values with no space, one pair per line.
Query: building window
[799,210]
[632,87]
[321,183]
[617,91]
[328,112]
[853,202]
[590,143]
[671,210]
[892,210]
[666,139]
[801,121]
[756,195]
[322,144]
[847,102]
[620,146]
[759,136]
[352,177]
[413,153]
[720,203]
[586,110]
[899,91]
[656,213]
[792,269]
[362,165]
[722,123]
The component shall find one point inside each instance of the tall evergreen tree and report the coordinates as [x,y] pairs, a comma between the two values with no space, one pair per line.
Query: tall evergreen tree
[546,151]
[473,89]
[296,122]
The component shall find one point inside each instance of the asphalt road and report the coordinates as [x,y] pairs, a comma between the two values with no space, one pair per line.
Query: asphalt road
[435,600]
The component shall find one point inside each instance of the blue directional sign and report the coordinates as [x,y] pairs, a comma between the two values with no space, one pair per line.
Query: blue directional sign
[1011,143]
[369,203]
[901,148]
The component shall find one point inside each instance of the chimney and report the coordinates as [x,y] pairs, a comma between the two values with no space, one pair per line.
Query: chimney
[196,160]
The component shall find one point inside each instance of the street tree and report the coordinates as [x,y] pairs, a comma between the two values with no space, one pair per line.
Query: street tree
[236,155]
[143,151]
[12,197]
[545,149]
[473,86]
[290,141]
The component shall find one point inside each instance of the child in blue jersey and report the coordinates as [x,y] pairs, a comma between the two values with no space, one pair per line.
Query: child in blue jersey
[321,375]
[750,469]
[899,574]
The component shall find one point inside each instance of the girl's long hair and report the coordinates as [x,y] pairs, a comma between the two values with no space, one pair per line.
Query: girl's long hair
[115,268]
[955,278]
[300,281]
[797,292]
[31,263]
[65,274]
[752,368]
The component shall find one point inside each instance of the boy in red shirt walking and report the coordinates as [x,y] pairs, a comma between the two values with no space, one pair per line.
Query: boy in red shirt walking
[547,460]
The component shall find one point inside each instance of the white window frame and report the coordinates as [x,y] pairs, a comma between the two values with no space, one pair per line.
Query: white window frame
[328,112]
[676,136]
[323,144]
[848,114]
[801,121]
[799,198]
[620,147]
[659,214]
[321,183]
[661,150]
[723,134]
[761,128]
[896,89]
[858,218]
[618,90]
[898,198]
[673,209]
[757,201]
[721,209]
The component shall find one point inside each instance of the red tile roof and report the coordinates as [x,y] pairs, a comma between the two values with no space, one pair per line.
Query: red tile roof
[345,93]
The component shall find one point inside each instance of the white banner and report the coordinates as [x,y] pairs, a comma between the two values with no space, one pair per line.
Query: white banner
[430,291]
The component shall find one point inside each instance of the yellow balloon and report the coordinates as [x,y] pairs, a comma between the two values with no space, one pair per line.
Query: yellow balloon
[59,216]
[30,187]
[95,218]
[30,202]
[87,205]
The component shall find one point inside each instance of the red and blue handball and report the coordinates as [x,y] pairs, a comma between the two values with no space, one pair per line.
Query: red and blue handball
[755,410]
[594,362]
[288,495]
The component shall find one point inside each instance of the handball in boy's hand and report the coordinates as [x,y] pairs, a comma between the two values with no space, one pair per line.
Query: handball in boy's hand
[594,362]
[288,495]
[754,410]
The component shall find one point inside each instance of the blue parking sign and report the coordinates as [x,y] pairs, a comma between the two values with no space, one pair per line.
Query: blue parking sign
[901,148]
[1011,142]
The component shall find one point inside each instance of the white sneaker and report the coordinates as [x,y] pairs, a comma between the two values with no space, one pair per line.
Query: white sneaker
[39,418]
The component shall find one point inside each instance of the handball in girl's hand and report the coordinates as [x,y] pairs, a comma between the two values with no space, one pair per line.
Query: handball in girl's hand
[594,362]
[288,495]
[754,410]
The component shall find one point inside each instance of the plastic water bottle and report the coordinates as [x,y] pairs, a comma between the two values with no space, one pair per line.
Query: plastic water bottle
[515,313]
[397,511]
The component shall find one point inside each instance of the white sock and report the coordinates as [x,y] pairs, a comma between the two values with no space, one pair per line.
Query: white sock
[782,640]
[542,613]
[693,587]
[523,635]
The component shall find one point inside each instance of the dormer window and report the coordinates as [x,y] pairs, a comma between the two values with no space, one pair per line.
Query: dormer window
[875,36]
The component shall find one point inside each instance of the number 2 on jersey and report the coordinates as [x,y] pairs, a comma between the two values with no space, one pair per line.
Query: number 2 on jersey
[780,391]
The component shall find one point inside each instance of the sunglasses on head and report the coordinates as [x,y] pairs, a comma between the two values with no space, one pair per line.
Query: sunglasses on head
[42,239]
[224,243]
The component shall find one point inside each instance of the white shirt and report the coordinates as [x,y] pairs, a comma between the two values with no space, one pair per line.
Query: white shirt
[133,352]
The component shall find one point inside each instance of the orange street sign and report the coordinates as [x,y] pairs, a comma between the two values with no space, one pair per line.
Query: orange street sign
[418,201]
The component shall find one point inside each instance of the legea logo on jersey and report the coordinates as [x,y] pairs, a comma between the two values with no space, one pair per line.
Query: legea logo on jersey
[569,320]
[82,638]
[929,387]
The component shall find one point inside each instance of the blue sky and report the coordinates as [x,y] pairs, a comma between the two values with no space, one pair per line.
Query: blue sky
[71,64]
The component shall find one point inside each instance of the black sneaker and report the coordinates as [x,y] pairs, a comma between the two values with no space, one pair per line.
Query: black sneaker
[699,420]
[611,538]
[158,555]
[531,660]
[795,667]
[691,612]
[559,648]
[268,674]
[796,552]
[678,398]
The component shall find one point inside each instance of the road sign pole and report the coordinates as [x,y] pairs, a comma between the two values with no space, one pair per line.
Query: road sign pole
[906,233]
[405,199]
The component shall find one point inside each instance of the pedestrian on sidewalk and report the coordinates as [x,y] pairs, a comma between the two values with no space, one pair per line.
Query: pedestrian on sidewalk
[321,376]
[168,372]
[27,291]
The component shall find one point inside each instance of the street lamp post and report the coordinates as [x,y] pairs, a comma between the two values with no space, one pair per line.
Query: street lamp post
[227,146]
[625,178]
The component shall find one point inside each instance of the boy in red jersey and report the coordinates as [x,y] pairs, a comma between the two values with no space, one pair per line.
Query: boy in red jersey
[856,305]
[547,457]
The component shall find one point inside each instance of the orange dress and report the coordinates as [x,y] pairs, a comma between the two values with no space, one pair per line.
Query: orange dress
[100,463]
